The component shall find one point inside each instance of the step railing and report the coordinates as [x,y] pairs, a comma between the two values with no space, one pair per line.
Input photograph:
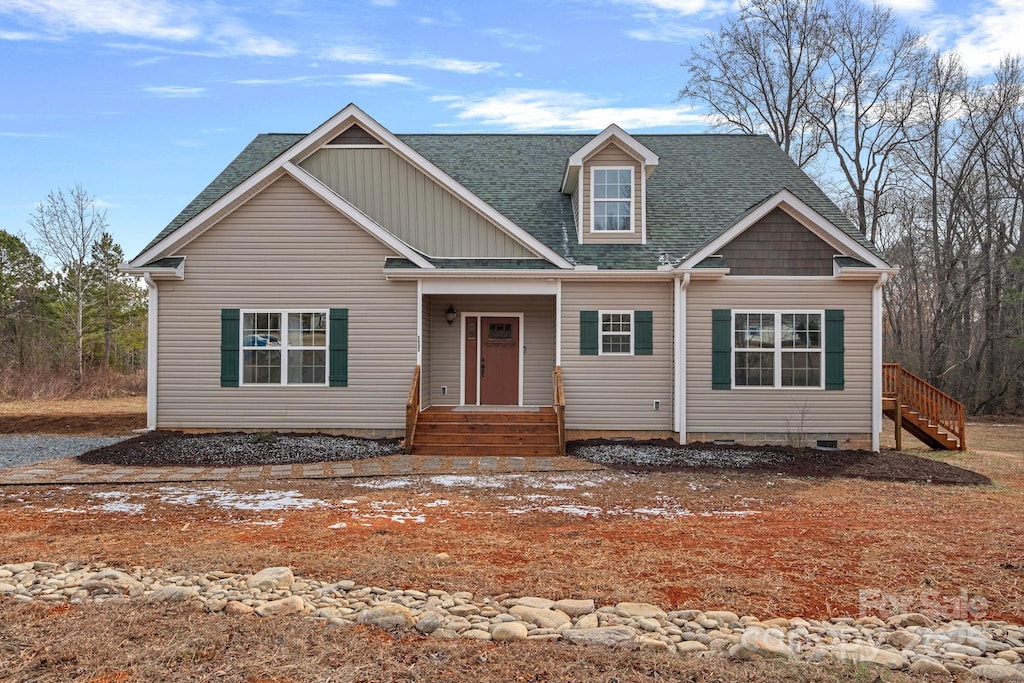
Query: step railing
[930,402]
[412,409]
[558,403]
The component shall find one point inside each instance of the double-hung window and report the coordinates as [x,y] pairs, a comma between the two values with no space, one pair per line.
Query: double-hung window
[284,347]
[616,332]
[776,349]
[612,194]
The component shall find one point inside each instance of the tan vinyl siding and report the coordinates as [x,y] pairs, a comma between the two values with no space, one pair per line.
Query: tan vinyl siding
[617,392]
[405,201]
[778,244]
[613,155]
[286,249]
[537,335]
[778,410]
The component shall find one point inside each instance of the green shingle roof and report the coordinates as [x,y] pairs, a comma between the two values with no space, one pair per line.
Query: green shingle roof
[702,186]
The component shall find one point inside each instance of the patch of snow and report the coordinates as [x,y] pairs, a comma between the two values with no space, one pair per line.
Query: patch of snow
[339,525]
[264,500]
[267,522]
[468,481]
[348,501]
[441,502]
[390,483]
[69,511]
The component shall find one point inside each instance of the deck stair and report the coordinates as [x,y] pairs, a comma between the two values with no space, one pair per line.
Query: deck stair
[475,432]
[932,416]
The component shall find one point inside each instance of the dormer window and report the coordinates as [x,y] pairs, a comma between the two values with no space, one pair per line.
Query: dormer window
[613,199]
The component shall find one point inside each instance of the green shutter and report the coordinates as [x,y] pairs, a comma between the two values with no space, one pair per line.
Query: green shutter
[721,348]
[643,343]
[834,350]
[338,361]
[230,337]
[589,337]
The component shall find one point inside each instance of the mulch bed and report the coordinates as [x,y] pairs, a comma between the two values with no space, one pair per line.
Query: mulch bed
[231,449]
[886,465]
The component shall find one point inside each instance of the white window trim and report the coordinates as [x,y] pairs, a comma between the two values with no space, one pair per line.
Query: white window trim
[601,333]
[777,351]
[632,199]
[284,348]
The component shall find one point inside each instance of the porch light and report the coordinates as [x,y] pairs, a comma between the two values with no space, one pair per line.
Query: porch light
[450,314]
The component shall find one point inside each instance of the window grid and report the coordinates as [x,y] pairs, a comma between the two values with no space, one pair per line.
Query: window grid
[612,200]
[617,332]
[778,349]
[298,357]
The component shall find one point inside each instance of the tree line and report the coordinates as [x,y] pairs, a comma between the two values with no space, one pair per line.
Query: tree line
[70,323]
[926,159]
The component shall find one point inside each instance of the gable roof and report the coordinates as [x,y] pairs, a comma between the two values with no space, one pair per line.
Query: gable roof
[705,184]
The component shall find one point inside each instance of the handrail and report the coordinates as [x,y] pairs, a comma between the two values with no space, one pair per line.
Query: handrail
[558,402]
[412,409]
[929,401]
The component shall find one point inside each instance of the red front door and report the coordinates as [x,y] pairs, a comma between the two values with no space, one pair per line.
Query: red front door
[499,361]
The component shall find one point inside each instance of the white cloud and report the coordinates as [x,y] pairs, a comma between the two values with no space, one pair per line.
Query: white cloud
[909,6]
[445,64]
[19,35]
[156,20]
[540,110]
[513,39]
[685,7]
[363,55]
[142,18]
[12,134]
[377,80]
[384,3]
[667,32]
[292,80]
[174,91]
[991,31]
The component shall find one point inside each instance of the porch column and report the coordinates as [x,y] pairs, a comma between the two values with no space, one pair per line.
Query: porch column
[419,323]
[679,343]
[876,361]
[558,323]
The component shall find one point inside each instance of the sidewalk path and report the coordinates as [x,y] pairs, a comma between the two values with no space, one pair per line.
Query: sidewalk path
[69,471]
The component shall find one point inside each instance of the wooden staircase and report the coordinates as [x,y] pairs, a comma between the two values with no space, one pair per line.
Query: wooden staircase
[932,416]
[515,432]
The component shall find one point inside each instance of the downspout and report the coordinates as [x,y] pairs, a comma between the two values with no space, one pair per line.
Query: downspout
[679,338]
[876,360]
[151,339]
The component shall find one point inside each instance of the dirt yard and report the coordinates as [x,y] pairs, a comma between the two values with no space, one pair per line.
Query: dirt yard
[756,543]
[85,417]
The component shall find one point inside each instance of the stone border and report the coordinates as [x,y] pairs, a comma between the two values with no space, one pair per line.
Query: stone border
[991,650]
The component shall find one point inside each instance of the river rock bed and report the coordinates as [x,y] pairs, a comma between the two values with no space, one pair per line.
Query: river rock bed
[990,650]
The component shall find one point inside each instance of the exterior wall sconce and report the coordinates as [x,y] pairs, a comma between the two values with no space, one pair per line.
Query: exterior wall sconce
[450,314]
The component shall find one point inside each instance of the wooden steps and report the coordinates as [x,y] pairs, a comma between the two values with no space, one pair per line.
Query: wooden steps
[932,416]
[925,431]
[444,431]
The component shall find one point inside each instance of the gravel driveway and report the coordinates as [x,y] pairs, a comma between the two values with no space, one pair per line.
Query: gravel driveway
[24,449]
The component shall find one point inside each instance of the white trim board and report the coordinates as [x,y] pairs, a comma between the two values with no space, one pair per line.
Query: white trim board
[804,214]
[594,201]
[647,158]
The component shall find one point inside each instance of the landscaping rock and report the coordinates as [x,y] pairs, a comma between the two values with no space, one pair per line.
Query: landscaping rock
[237,608]
[271,579]
[929,667]
[574,608]
[279,608]
[690,647]
[903,640]
[994,672]
[429,622]
[508,631]
[608,636]
[544,618]
[174,594]
[855,652]
[387,615]
[760,642]
[639,609]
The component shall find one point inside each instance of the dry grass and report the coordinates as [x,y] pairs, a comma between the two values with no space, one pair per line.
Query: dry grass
[49,385]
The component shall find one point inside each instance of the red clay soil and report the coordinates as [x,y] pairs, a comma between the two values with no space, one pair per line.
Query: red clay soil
[84,424]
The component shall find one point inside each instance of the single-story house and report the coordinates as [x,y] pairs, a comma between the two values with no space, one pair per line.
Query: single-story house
[354,280]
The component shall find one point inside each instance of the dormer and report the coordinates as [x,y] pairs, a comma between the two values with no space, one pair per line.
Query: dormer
[607,179]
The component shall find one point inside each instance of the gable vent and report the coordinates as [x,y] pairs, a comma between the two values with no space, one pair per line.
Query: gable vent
[355,135]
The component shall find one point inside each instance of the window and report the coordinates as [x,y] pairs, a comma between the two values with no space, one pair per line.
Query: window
[293,354]
[612,206]
[777,349]
[616,332]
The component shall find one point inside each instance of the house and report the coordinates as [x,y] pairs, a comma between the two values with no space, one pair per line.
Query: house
[694,286]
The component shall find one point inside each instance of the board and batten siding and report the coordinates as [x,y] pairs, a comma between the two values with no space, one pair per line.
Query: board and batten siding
[412,206]
[285,249]
[769,410]
[616,392]
[537,336]
[613,155]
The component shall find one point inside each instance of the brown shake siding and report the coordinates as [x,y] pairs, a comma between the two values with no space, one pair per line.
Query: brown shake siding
[779,245]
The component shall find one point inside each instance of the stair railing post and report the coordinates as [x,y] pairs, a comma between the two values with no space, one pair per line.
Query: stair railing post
[899,407]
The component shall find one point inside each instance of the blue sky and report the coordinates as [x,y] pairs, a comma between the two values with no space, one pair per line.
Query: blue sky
[145,101]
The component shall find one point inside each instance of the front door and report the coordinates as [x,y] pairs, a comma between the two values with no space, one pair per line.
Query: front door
[499,361]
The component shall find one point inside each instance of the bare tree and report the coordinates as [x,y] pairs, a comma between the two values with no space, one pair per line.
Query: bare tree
[68,224]
[756,75]
[865,99]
